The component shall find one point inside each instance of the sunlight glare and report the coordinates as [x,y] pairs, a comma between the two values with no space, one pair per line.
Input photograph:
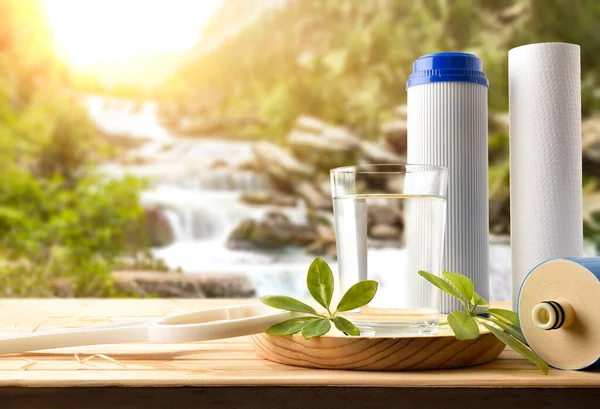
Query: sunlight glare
[87,32]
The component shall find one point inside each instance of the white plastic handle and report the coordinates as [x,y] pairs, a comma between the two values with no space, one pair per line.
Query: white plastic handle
[216,323]
[71,338]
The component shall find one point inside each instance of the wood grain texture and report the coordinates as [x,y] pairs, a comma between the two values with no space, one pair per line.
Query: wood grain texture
[378,353]
[223,363]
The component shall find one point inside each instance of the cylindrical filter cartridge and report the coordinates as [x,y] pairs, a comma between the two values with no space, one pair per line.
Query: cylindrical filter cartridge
[545,155]
[447,126]
[559,312]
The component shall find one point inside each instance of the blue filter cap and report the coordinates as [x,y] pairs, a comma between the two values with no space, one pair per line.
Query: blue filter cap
[447,67]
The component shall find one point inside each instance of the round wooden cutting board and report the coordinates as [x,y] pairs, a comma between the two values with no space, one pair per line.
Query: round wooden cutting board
[440,351]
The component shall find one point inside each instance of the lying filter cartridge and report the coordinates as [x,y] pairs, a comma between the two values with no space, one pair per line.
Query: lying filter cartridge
[559,312]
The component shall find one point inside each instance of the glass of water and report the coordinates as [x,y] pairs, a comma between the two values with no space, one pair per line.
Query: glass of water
[389,224]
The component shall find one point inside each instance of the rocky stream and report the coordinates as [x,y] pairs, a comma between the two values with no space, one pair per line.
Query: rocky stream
[252,210]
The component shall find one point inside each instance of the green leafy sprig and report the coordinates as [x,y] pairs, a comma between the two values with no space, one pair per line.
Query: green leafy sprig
[320,285]
[504,324]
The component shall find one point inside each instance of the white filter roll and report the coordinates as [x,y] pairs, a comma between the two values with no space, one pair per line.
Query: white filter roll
[545,156]
[447,126]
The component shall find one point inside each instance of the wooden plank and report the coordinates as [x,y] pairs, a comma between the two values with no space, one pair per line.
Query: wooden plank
[230,362]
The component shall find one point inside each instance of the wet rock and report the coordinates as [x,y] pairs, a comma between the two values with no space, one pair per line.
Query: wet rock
[202,125]
[177,285]
[158,226]
[323,154]
[250,166]
[275,230]
[243,231]
[395,185]
[384,232]
[218,164]
[124,141]
[324,184]
[321,249]
[401,112]
[322,145]
[331,140]
[317,249]
[275,199]
[395,134]
[309,124]
[386,215]
[316,218]
[325,244]
[313,196]
[376,153]
[279,164]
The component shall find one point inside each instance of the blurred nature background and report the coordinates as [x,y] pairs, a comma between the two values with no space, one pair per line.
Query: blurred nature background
[181,147]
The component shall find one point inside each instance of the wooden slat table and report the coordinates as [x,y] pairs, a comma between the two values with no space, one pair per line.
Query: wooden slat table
[228,374]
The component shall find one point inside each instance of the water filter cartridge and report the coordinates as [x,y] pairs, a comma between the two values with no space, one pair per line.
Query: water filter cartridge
[447,126]
[545,155]
[559,312]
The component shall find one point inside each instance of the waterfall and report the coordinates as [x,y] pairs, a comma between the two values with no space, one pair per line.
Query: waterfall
[197,184]
[196,215]
[175,223]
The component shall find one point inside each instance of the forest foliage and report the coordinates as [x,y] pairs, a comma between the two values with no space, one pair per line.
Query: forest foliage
[61,223]
[347,62]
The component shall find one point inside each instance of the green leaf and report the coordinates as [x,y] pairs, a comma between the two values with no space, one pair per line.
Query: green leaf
[11,214]
[320,282]
[511,329]
[505,315]
[462,283]
[316,328]
[346,326]
[442,285]
[358,295]
[290,327]
[284,302]
[519,347]
[478,301]
[464,326]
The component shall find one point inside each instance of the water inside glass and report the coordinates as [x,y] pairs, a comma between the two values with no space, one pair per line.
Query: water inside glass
[389,237]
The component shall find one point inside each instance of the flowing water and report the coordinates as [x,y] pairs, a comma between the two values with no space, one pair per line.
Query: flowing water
[200,202]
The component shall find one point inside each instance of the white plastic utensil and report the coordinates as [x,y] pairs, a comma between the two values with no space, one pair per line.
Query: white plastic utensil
[203,325]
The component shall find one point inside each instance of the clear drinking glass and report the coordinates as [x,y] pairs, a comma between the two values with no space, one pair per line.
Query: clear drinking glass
[389,224]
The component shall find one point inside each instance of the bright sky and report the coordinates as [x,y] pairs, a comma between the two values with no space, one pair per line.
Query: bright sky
[88,32]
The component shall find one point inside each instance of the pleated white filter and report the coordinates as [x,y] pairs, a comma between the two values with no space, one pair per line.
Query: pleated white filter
[545,156]
[447,126]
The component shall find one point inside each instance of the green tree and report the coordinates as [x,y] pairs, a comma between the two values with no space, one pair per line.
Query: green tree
[61,223]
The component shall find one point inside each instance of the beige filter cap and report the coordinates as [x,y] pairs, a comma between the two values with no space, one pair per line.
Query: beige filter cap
[559,312]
